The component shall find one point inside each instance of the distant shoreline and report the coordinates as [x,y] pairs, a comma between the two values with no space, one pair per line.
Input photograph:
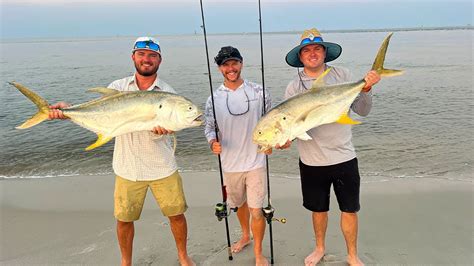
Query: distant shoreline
[467,27]
[95,38]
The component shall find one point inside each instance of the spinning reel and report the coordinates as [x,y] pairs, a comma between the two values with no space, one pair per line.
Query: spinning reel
[221,211]
[268,214]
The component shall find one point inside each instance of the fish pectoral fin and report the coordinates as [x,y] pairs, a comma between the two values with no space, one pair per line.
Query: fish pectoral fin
[104,91]
[346,120]
[319,82]
[101,140]
[304,136]
[302,117]
[309,117]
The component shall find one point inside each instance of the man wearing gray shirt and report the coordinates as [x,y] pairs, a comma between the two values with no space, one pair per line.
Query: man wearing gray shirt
[238,105]
[329,157]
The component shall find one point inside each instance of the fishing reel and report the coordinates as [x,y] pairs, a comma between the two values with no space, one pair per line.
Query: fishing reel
[268,214]
[221,210]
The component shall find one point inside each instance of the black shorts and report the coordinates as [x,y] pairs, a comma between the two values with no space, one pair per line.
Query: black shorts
[316,186]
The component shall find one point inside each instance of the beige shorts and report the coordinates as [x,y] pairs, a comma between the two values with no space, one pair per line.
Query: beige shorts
[129,197]
[248,186]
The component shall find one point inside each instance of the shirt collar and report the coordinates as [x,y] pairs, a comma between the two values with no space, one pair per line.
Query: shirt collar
[154,86]
[224,88]
[306,77]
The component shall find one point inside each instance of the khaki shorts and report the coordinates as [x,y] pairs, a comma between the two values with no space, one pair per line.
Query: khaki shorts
[129,197]
[248,186]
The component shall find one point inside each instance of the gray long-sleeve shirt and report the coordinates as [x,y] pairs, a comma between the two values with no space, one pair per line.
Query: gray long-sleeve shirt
[331,143]
[239,153]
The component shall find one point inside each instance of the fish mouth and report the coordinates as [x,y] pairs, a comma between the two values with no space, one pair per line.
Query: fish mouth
[262,149]
[199,120]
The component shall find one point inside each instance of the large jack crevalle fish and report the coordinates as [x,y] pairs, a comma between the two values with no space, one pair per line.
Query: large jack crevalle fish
[322,104]
[118,113]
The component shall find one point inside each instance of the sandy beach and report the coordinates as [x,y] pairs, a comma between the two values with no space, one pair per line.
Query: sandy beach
[69,220]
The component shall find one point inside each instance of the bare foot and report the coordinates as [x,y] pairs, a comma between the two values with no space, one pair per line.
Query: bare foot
[186,261]
[239,245]
[313,258]
[354,261]
[260,260]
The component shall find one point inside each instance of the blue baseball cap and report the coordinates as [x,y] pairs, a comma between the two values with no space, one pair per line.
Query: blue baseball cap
[147,43]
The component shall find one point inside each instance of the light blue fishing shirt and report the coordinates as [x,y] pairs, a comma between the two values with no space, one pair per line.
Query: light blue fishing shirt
[239,153]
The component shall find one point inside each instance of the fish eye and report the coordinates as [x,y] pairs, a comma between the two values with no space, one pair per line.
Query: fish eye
[260,132]
[160,106]
[284,118]
[190,108]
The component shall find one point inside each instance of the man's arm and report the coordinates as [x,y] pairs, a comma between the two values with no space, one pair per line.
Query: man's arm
[209,128]
[363,103]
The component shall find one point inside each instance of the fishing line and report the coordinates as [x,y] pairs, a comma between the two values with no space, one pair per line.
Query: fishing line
[221,208]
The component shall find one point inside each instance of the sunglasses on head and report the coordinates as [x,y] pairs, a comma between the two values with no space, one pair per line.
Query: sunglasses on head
[310,40]
[147,44]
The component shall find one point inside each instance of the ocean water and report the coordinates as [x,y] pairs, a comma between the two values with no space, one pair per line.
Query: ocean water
[421,124]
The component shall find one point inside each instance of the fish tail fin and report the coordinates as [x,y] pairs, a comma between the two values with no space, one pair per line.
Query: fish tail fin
[42,104]
[380,59]
[101,140]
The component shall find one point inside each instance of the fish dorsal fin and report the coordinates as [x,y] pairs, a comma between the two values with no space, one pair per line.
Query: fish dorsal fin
[101,140]
[319,82]
[104,91]
[345,119]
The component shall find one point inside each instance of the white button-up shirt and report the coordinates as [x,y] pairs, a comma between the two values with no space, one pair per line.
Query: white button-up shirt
[143,155]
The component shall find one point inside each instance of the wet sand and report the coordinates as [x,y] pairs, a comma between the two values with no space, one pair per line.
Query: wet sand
[69,220]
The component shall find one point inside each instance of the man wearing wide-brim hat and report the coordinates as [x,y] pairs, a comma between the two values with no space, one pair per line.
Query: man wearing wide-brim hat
[329,157]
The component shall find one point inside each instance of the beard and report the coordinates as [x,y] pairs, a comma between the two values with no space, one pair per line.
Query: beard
[146,73]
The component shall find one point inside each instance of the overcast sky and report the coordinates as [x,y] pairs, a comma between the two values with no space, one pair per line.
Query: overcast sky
[91,18]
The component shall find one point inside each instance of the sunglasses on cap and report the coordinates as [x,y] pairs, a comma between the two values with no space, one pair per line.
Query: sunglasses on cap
[311,40]
[147,45]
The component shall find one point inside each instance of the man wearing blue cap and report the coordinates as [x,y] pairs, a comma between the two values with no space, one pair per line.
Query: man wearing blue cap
[145,160]
[329,157]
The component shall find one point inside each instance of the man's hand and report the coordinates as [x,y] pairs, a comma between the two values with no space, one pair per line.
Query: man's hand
[216,147]
[55,113]
[268,152]
[285,146]
[371,78]
[161,131]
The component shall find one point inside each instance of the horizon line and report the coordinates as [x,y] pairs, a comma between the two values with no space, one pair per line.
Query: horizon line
[396,29]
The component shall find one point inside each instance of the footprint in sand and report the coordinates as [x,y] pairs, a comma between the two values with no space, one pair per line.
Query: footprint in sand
[86,250]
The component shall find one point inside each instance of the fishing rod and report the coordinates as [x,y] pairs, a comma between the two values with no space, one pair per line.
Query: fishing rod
[220,208]
[269,210]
